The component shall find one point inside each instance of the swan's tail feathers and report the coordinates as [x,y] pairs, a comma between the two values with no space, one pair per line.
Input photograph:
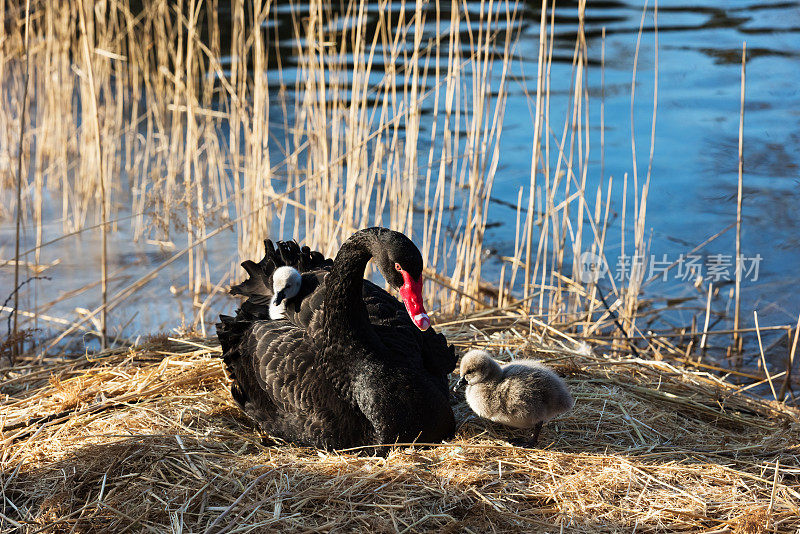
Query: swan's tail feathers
[302,258]
[230,331]
[290,253]
[259,275]
[256,283]
[314,260]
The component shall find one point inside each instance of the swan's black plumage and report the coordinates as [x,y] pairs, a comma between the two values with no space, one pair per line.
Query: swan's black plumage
[346,367]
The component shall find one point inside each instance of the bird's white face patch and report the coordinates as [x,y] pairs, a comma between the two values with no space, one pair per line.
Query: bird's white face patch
[277,311]
[288,280]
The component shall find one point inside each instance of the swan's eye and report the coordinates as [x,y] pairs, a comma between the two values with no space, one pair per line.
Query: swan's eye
[398,267]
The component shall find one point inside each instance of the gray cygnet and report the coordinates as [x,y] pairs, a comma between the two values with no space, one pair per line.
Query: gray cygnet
[520,394]
[286,282]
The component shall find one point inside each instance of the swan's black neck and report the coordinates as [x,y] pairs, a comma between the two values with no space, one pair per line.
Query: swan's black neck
[346,314]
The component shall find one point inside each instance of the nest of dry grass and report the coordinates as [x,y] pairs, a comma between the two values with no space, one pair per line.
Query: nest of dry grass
[148,439]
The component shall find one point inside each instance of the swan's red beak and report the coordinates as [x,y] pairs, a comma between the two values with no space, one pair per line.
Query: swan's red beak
[411,292]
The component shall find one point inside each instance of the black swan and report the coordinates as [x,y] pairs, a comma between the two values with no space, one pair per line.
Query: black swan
[520,394]
[349,365]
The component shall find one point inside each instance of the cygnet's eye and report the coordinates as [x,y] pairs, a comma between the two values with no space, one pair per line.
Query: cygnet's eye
[398,267]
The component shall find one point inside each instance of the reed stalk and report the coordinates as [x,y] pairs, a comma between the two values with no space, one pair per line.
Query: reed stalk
[787,382]
[737,341]
[17,346]
[87,55]
[763,361]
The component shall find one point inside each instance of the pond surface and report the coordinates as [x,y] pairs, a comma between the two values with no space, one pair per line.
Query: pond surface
[694,174]
[694,170]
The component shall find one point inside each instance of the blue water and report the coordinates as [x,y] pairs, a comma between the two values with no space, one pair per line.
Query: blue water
[694,174]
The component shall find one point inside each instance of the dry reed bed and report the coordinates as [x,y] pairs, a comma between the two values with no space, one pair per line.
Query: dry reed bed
[149,439]
[173,123]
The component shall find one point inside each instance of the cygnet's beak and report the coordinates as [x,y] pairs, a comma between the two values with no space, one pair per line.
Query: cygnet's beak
[279,296]
[411,293]
[460,383]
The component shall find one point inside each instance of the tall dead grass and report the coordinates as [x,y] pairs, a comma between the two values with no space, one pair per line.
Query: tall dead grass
[309,121]
[140,112]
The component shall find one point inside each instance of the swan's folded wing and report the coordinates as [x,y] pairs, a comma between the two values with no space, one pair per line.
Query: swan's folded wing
[276,365]
[402,404]
[302,309]
[428,349]
[436,356]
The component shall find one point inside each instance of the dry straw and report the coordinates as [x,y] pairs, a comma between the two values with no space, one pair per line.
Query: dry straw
[149,439]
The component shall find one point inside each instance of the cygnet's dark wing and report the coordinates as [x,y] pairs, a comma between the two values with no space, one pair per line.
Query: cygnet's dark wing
[272,364]
[301,309]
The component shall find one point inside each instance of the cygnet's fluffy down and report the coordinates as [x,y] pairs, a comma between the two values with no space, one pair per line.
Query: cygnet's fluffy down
[521,394]
[286,282]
